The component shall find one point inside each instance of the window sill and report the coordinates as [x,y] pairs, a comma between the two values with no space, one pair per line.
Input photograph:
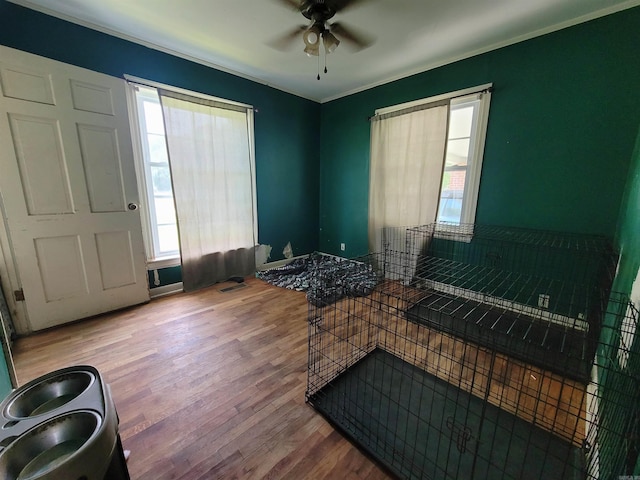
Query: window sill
[163,262]
[453,231]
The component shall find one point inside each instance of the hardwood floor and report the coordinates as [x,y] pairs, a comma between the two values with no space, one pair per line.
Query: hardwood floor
[207,385]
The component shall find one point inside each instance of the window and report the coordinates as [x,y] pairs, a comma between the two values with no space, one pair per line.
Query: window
[161,232]
[426,160]
[463,159]
[196,176]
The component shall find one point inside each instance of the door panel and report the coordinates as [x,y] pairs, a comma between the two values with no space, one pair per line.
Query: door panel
[67,176]
[102,168]
[26,84]
[115,254]
[42,165]
[92,98]
[62,267]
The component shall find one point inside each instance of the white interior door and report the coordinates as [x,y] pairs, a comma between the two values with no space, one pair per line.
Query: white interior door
[68,189]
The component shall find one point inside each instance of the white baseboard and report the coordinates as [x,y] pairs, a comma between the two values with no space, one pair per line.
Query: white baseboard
[165,290]
[337,257]
[283,262]
[278,263]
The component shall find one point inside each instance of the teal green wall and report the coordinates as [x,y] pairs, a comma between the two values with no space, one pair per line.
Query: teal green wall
[561,127]
[166,276]
[286,127]
[612,379]
[628,235]
[561,131]
[559,148]
[5,379]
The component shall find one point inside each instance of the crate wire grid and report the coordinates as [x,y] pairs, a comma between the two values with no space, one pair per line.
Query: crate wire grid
[550,289]
[508,390]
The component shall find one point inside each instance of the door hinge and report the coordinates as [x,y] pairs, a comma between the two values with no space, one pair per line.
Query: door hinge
[18,295]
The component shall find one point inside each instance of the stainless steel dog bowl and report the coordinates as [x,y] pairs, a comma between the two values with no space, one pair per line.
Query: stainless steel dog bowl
[49,446]
[48,394]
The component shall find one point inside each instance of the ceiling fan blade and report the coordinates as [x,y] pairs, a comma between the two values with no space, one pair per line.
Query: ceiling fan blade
[358,39]
[294,4]
[286,40]
[341,5]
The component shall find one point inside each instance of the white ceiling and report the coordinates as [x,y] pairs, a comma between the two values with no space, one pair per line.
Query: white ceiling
[411,35]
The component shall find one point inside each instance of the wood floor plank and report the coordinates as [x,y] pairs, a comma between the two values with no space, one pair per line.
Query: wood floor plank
[207,385]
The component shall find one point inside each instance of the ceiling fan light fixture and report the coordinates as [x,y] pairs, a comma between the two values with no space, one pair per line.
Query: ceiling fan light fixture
[311,39]
[312,50]
[312,35]
[330,41]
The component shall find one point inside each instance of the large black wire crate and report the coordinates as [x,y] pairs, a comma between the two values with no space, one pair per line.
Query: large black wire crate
[431,401]
[536,295]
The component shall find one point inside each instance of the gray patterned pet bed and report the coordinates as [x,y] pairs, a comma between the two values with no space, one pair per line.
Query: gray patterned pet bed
[325,278]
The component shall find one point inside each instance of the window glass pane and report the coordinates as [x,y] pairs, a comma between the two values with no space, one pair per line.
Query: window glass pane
[165,210]
[168,239]
[153,117]
[450,208]
[460,121]
[157,148]
[455,170]
[161,231]
[457,152]
[161,179]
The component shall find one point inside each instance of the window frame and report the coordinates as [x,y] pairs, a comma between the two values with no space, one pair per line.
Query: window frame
[476,152]
[145,186]
[143,176]
[154,253]
[482,94]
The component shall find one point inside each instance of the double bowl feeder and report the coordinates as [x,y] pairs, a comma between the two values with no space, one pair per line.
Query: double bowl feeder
[62,425]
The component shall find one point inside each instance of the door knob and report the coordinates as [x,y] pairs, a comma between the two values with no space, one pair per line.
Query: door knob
[132,206]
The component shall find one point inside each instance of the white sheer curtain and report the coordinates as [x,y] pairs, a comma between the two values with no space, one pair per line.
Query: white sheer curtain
[407,160]
[212,173]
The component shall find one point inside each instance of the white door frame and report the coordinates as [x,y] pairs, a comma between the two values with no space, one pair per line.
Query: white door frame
[9,277]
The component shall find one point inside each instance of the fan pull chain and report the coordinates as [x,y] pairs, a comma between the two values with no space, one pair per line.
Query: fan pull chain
[325,64]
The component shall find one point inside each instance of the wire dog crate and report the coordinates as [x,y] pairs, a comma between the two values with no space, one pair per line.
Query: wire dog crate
[423,372]
[535,295]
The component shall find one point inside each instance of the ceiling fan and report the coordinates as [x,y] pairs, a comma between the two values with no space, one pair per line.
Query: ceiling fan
[319,12]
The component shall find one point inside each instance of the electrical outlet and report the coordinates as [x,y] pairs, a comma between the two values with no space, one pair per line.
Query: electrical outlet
[343,247]
[543,300]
